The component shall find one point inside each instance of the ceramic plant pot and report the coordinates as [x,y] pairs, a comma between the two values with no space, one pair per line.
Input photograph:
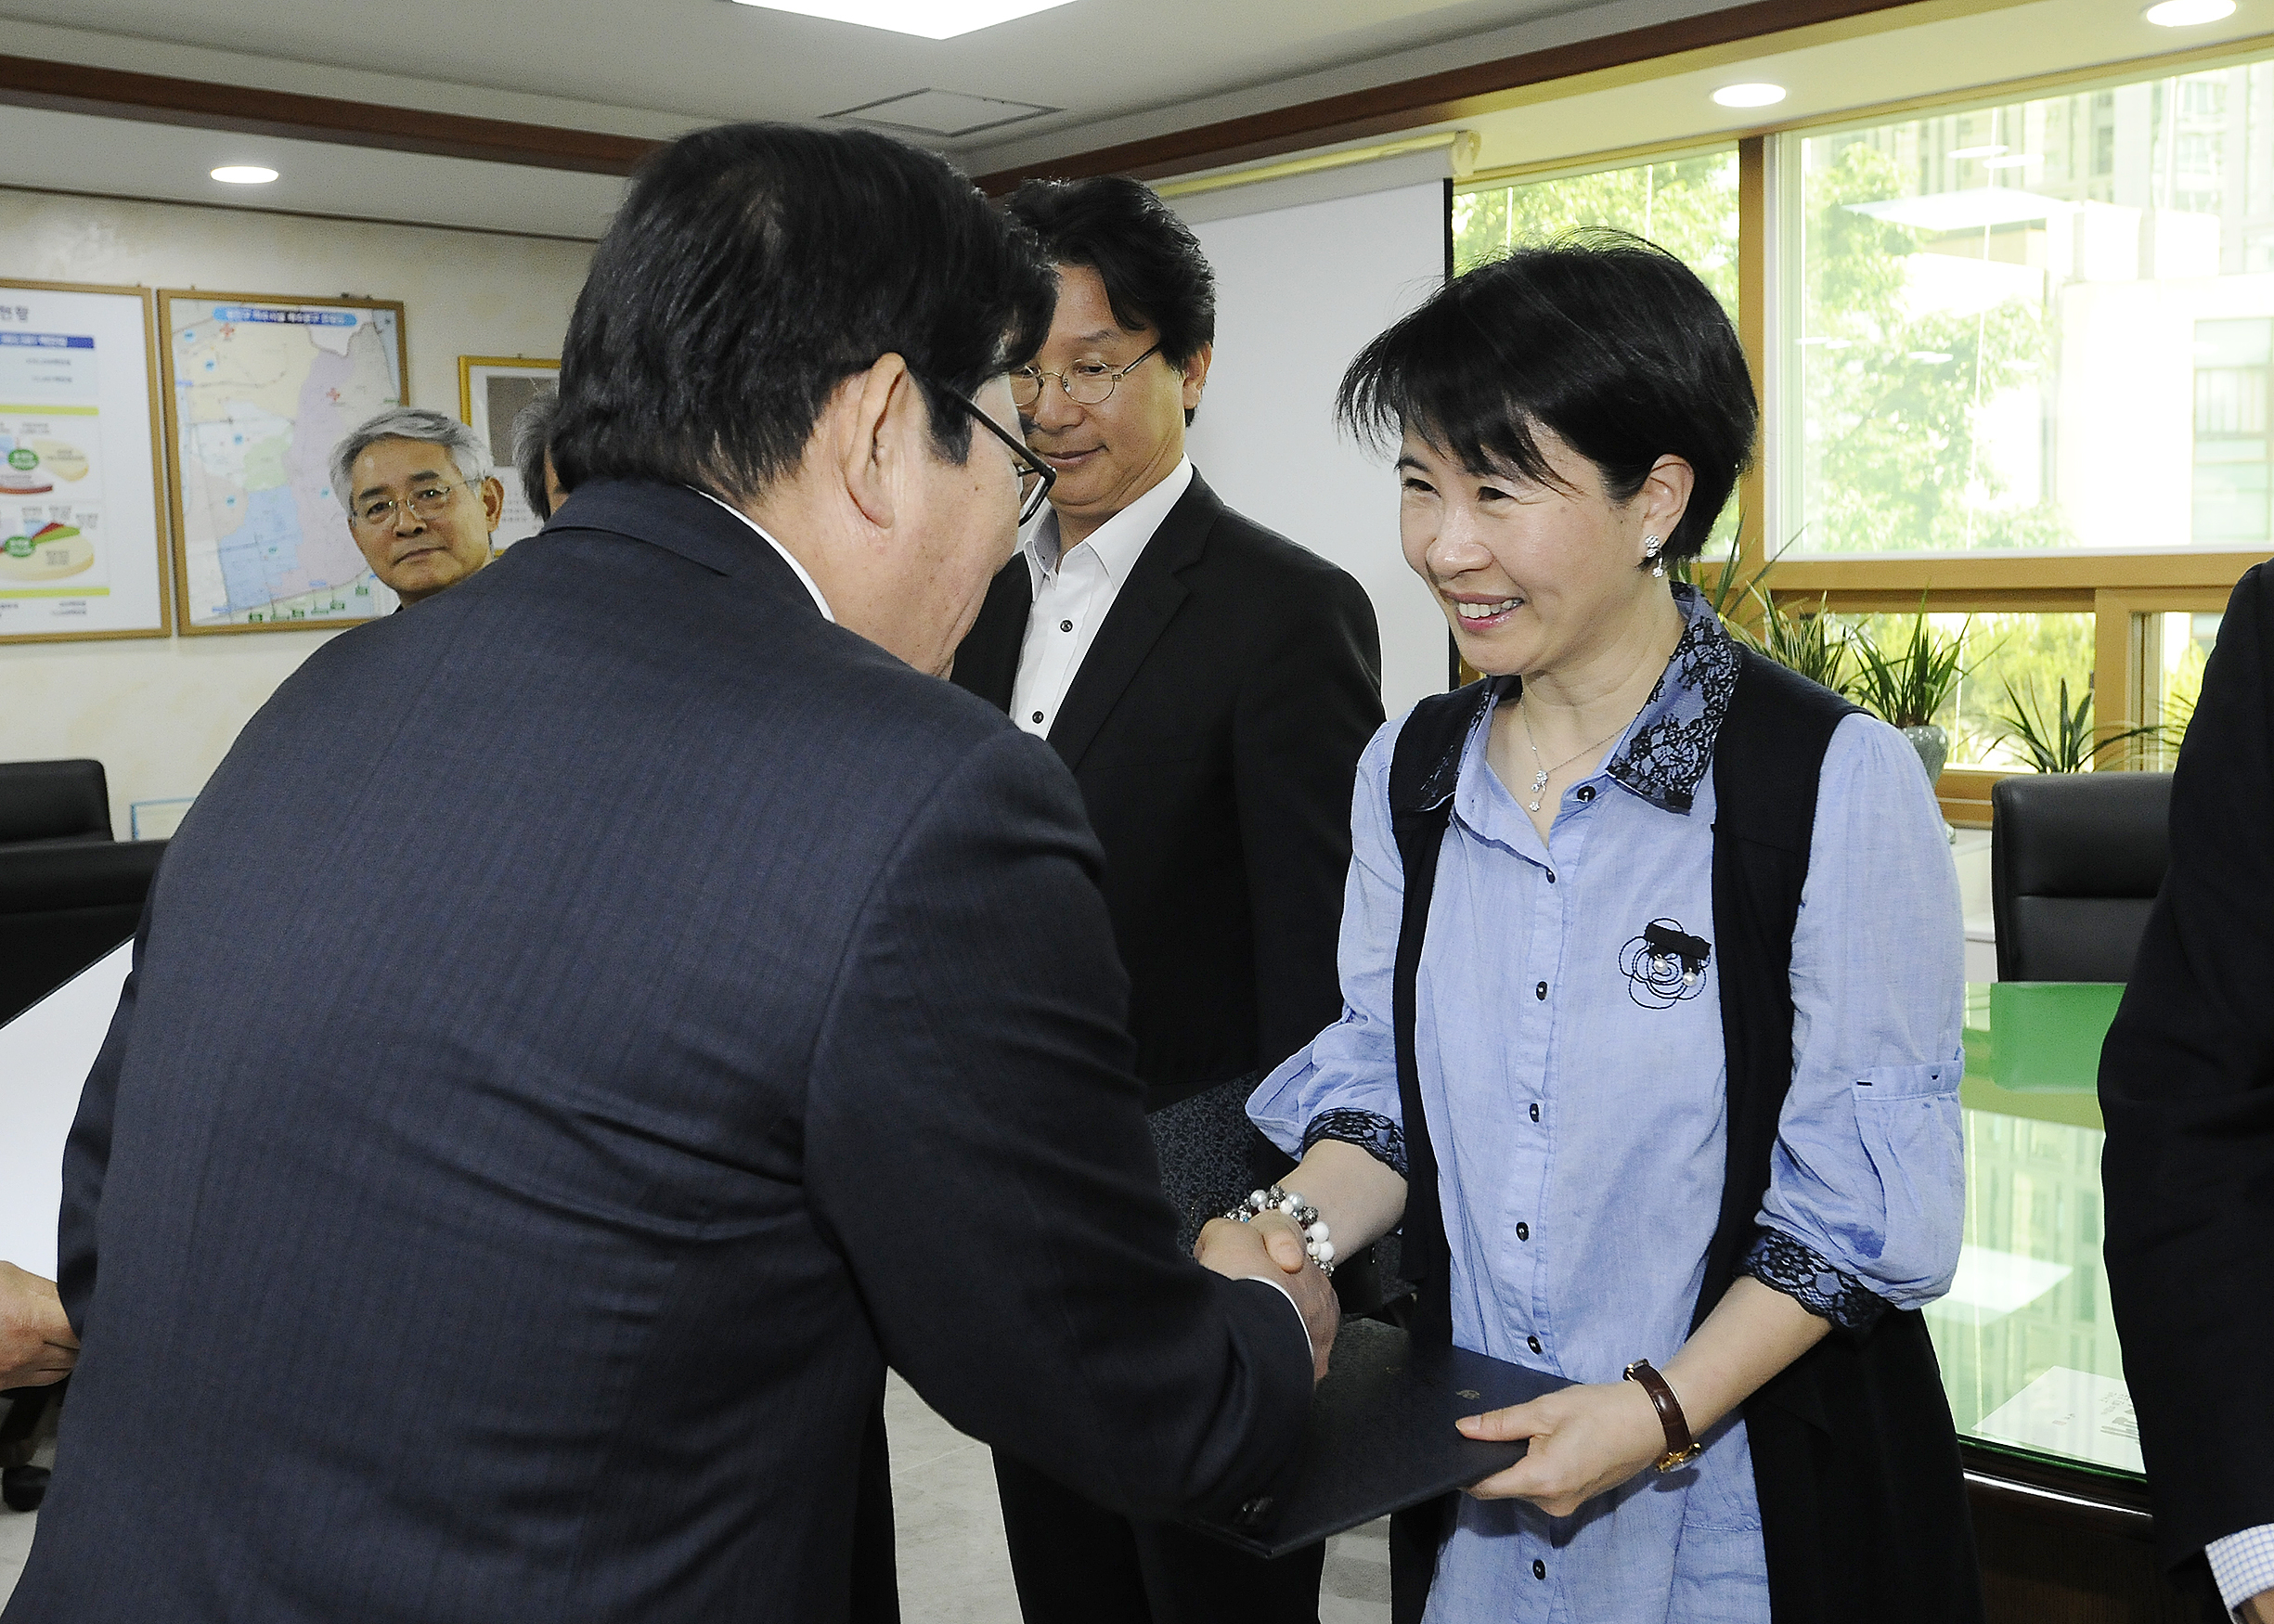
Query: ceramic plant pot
[1933,747]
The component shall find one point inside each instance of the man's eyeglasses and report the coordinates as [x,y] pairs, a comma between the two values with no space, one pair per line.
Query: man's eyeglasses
[1035,476]
[1085,382]
[424,503]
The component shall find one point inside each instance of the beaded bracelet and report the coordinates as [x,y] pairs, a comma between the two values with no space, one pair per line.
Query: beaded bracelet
[1316,1241]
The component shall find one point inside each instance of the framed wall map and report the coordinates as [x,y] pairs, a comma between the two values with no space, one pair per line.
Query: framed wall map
[82,505]
[258,390]
[491,392]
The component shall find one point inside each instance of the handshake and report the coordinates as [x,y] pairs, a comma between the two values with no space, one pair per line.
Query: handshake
[36,1343]
[1269,1247]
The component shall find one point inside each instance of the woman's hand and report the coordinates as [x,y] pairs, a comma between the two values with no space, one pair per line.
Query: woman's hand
[1585,1440]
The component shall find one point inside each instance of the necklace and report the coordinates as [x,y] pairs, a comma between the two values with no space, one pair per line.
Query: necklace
[1539,778]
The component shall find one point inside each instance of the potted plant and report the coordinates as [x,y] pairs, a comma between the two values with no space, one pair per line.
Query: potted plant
[2067,742]
[1908,688]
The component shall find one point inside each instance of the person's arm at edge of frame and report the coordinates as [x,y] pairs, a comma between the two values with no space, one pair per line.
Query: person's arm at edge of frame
[1590,1438]
[976,1147]
[86,1150]
[2184,1090]
[1305,713]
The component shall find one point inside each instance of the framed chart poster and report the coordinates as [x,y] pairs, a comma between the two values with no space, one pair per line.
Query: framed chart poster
[82,538]
[491,392]
[258,390]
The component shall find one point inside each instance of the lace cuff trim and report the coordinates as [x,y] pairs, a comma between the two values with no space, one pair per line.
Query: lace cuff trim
[1369,1130]
[1781,1263]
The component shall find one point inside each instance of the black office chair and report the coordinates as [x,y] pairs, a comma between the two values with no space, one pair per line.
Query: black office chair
[50,803]
[64,906]
[2075,861]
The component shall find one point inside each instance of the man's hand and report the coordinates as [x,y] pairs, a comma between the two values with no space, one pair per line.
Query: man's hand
[36,1345]
[1272,1248]
[2258,1609]
[1585,1440]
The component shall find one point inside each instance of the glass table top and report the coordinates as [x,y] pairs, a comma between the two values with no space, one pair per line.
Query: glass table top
[2026,1339]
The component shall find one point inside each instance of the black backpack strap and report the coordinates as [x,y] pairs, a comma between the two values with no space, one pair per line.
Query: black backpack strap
[1768,760]
[1423,770]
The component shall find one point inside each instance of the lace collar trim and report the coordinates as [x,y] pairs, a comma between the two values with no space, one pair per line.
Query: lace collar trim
[1671,744]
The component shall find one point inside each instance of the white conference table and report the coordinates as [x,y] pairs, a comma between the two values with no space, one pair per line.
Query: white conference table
[44,1055]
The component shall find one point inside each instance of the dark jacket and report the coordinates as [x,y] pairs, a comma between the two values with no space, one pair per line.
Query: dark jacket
[1864,1517]
[586,1028]
[1215,729]
[2187,1090]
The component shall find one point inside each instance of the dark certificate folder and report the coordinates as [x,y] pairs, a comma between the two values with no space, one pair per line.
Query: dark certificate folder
[1381,1437]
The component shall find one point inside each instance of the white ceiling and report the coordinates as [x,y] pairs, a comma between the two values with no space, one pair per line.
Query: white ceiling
[705,60]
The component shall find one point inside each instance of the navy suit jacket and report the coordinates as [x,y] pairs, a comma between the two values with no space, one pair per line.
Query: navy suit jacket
[588,1026]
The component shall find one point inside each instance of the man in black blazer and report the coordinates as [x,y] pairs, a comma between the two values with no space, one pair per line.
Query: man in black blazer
[1213,686]
[531,1127]
[2187,1088]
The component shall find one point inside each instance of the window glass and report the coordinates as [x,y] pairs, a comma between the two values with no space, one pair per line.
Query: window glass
[2031,655]
[2173,649]
[2045,324]
[1687,206]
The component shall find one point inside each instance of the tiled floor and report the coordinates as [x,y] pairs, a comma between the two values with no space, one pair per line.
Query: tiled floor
[952,1566]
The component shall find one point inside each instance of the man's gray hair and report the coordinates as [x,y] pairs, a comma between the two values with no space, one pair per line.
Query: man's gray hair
[407,423]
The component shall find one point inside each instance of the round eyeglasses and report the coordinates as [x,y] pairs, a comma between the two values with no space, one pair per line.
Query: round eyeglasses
[425,502]
[1085,382]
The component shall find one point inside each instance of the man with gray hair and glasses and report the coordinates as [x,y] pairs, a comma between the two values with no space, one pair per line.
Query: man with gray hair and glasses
[421,501]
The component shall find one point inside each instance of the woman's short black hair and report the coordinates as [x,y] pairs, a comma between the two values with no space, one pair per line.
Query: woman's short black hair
[1149,259]
[1608,343]
[754,267]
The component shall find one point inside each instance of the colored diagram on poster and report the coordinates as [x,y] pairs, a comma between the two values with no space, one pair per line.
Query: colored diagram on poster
[262,392]
[51,496]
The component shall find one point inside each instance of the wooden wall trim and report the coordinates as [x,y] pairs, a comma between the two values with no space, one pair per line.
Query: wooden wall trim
[155,99]
[1431,98]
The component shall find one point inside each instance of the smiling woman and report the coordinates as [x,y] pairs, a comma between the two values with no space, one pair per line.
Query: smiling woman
[1646,1123]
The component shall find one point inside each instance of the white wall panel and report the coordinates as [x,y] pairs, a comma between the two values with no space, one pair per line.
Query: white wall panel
[1300,291]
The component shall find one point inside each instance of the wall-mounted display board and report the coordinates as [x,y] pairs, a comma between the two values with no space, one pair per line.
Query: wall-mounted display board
[492,390]
[81,539]
[258,390]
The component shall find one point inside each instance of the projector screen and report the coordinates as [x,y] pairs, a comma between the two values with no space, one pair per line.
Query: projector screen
[1299,290]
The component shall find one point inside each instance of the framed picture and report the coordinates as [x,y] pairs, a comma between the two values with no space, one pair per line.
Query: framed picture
[258,390]
[491,392]
[81,500]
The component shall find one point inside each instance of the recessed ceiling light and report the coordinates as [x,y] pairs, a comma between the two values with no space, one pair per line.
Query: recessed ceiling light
[933,19]
[2187,13]
[1749,94]
[244,175]
[1991,151]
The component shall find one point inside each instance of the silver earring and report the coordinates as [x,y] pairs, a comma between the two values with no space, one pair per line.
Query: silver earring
[1650,551]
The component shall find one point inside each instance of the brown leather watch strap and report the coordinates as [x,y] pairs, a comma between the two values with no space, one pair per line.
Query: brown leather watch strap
[1680,1447]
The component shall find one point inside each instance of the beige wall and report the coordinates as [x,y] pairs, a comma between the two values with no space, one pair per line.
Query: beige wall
[160,713]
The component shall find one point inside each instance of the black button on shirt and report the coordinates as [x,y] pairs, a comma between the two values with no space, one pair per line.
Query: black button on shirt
[1586,792]
[1037,716]
[1539,1568]
[1533,1343]
[1535,1114]
[1523,1232]
[1066,625]
[1539,992]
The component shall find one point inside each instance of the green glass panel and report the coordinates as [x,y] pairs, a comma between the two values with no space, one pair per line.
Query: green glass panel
[2026,1339]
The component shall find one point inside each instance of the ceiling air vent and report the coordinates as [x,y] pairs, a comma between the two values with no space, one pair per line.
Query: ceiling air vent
[946,113]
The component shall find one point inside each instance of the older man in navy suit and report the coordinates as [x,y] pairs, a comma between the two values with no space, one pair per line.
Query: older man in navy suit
[504,1218]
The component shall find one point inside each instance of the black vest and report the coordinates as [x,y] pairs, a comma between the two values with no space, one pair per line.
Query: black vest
[1855,1462]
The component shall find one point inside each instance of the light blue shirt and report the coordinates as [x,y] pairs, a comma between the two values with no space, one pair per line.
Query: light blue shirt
[1577,1106]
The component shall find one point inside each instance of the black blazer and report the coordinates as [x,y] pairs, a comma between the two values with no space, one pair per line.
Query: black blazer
[589,1025]
[1215,729]
[2186,1089]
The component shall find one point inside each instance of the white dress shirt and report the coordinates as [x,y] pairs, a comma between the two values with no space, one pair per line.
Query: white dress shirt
[788,557]
[2243,1564]
[1073,592]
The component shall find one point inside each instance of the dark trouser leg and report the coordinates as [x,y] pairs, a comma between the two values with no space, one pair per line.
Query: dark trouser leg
[876,1581]
[1073,1563]
[1193,1580]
